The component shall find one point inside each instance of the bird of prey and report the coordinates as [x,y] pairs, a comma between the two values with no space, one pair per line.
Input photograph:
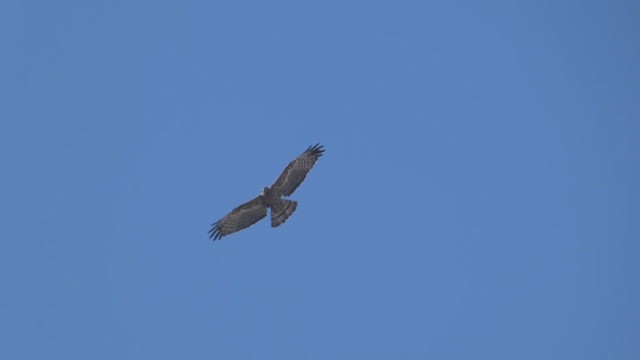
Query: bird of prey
[253,211]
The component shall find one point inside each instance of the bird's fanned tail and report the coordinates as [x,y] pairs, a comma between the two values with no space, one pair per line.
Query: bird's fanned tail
[281,210]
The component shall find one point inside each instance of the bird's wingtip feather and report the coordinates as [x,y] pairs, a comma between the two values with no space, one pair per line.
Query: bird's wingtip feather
[316,149]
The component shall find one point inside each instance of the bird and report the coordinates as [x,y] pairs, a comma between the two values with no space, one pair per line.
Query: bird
[255,210]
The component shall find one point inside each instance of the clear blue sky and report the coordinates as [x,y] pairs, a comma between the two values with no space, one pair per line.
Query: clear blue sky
[478,198]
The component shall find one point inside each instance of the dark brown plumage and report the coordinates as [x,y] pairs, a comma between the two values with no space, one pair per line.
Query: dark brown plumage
[255,210]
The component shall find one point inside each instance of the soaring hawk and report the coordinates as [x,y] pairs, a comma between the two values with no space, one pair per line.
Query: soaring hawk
[253,211]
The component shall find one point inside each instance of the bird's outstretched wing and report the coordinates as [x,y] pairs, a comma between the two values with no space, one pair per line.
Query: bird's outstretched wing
[241,217]
[295,173]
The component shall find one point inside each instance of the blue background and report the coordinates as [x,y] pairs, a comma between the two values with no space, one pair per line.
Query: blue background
[478,197]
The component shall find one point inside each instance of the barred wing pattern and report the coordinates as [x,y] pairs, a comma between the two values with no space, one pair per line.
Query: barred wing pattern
[295,173]
[240,218]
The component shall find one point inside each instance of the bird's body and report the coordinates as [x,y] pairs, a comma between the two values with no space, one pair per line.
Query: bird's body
[255,210]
